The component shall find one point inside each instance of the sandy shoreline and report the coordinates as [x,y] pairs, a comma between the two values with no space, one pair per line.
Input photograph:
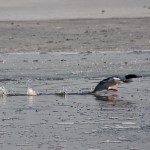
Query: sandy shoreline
[81,35]
[62,9]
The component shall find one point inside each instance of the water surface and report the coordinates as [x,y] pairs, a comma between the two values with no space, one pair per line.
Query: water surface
[76,120]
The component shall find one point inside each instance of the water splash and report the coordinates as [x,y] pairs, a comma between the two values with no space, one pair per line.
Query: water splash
[31,92]
[3,91]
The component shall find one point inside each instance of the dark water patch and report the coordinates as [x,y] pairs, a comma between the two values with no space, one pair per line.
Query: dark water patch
[106,98]
[49,78]
[146,128]
[7,80]
[44,94]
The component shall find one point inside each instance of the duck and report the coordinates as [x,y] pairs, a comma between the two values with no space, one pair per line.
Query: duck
[110,82]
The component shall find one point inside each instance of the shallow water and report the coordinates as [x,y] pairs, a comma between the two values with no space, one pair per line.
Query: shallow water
[77,120]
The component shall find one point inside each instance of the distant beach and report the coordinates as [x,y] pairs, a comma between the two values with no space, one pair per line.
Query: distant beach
[77,35]
[66,9]
[53,25]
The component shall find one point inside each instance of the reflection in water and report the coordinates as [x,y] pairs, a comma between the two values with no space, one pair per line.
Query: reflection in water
[3,100]
[114,100]
[61,94]
[31,92]
[30,101]
[106,97]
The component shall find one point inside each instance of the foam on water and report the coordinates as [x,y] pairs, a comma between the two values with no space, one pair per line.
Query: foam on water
[31,92]
[3,91]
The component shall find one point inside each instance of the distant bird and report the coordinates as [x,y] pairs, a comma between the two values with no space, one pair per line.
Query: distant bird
[108,83]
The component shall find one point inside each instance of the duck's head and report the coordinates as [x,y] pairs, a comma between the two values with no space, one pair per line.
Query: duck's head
[130,76]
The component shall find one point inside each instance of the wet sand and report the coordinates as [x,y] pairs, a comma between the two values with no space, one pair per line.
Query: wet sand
[80,35]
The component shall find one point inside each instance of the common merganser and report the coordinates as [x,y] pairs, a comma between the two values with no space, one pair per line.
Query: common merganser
[108,83]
